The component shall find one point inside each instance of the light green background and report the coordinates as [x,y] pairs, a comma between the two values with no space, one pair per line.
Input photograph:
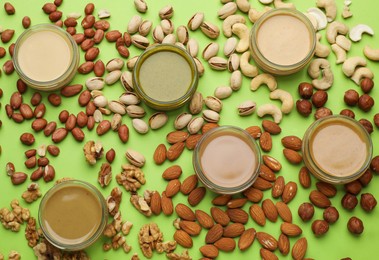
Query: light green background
[336,244]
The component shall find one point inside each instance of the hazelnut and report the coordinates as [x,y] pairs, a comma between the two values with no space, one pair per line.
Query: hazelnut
[366,85]
[320,227]
[355,225]
[319,98]
[305,90]
[365,102]
[349,201]
[351,97]
[353,187]
[376,120]
[304,107]
[323,112]
[331,215]
[375,164]
[368,202]
[365,179]
[367,125]
[347,112]
[306,211]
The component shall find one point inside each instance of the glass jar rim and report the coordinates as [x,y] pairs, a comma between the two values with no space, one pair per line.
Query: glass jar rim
[94,191]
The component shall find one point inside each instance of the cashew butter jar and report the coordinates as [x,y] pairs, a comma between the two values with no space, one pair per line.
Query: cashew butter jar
[282,41]
[72,215]
[337,149]
[227,160]
[165,76]
[46,57]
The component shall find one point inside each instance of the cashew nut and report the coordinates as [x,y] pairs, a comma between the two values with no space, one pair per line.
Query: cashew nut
[334,29]
[349,66]
[361,73]
[330,8]
[270,109]
[322,50]
[280,4]
[266,2]
[229,22]
[343,42]
[261,79]
[346,13]
[320,16]
[313,20]
[285,97]
[371,54]
[340,53]
[242,32]
[247,69]
[254,14]
[357,31]
[243,5]
[317,67]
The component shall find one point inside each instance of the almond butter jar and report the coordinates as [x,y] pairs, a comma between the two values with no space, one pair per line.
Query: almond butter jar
[282,41]
[337,149]
[72,215]
[46,57]
[165,76]
[227,160]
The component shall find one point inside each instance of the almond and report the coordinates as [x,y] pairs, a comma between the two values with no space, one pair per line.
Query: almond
[257,214]
[204,219]
[183,239]
[319,199]
[190,227]
[189,184]
[196,196]
[292,142]
[172,172]
[262,184]
[238,215]
[236,203]
[299,249]
[172,188]
[289,192]
[271,163]
[225,244]
[284,211]
[176,137]
[155,203]
[246,239]
[290,229]
[175,151]
[253,194]
[221,200]
[292,156]
[184,212]
[167,206]
[234,230]
[271,127]
[160,154]
[254,131]
[265,141]
[208,126]
[284,244]
[304,177]
[267,241]
[329,190]
[214,234]
[220,216]
[209,251]
[278,188]
[266,173]
[270,210]
[192,141]
[267,254]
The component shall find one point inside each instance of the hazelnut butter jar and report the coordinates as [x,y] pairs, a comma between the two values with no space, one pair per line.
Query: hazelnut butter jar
[337,149]
[165,76]
[227,160]
[46,57]
[282,41]
[72,215]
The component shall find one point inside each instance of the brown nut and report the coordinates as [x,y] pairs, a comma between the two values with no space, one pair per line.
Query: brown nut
[50,128]
[79,38]
[349,201]
[15,100]
[367,125]
[88,21]
[355,226]
[366,178]
[87,44]
[2,52]
[49,173]
[27,138]
[348,113]
[306,211]
[374,166]
[8,67]
[320,227]
[323,112]
[304,107]
[99,68]
[53,150]
[55,16]
[59,134]
[54,99]
[353,187]
[319,98]
[48,8]
[110,155]
[86,67]
[9,8]
[331,215]
[7,35]
[365,102]
[89,8]
[91,54]
[305,90]
[40,110]
[35,100]
[351,97]
[368,202]
[18,178]
[63,116]
[366,85]
[43,161]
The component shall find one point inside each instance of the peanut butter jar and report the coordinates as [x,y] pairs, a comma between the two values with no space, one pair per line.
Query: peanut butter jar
[72,215]
[337,149]
[46,57]
[227,160]
[282,41]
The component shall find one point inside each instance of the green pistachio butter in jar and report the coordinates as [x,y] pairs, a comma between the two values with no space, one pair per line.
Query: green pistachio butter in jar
[165,77]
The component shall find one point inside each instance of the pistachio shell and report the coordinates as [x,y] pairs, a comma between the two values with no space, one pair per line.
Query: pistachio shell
[135,111]
[199,66]
[158,34]
[145,27]
[195,125]
[223,92]
[210,50]
[129,98]
[218,63]
[170,39]
[114,64]
[182,120]
[227,10]
[117,107]
[182,34]
[157,120]
[135,158]
[140,41]
[140,5]
[112,77]
[131,62]
[210,30]
[236,80]
[140,126]
[195,21]
[233,62]
[116,121]
[95,93]
[196,103]
[95,83]
[230,46]
[167,26]
[193,47]
[134,24]
[100,101]
[246,108]
[166,12]
[127,80]
[211,116]
[213,103]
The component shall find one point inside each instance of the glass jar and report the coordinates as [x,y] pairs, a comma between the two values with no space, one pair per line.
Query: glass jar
[282,41]
[337,149]
[227,160]
[46,57]
[72,215]
[165,76]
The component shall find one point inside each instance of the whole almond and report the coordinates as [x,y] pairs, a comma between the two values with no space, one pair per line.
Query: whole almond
[7,35]
[305,177]
[183,239]
[155,203]
[289,192]
[49,128]
[267,254]
[172,172]
[284,211]
[225,244]
[299,249]
[78,134]
[208,126]
[272,163]
[192,141]
[160,154]
[175,151]
[221,200]
[204,219]
[176,137]
[123,133]
[209,251]
[167,206]
[172,188]
[262,184]
[39,124]
[278,188]
[290,229]
[257,214]
[271,127]
[27,138]
[270,210]
[236,203]
[184,212]
[196,196]
[103,127]
[292,156]
[265,141]
[247,238]
[234,230]
[214,234]
[253,194]
[190,227]
[267,241]
[292,142]
[284,244]
[329,190]
[189,184]
[9,8]
[59,134]
[238,215]
[254,131]
[266,173]
[319,199]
